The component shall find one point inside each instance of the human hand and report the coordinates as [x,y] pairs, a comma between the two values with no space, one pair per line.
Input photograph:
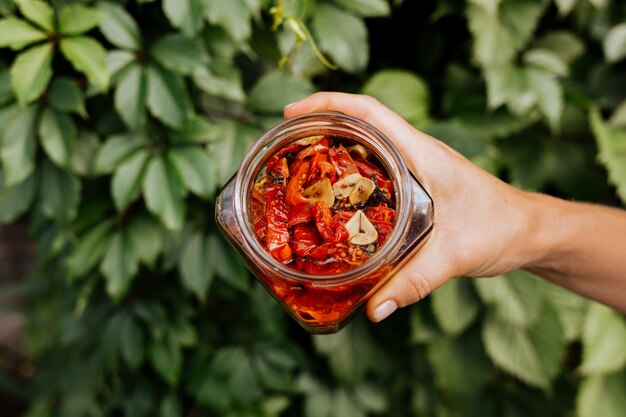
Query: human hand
[481,223]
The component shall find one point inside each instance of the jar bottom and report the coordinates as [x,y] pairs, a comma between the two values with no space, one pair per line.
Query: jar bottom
[324,308]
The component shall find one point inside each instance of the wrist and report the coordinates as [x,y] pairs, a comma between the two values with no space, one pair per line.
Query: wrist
[552,233]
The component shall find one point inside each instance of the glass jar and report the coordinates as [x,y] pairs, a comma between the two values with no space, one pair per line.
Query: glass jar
[325,303]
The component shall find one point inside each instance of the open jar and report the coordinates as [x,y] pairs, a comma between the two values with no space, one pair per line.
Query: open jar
[324,302]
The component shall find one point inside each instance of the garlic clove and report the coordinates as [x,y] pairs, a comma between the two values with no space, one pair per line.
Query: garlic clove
[311,140]
[321,191]
[359,150]
[345,185]
[362,231]
[362,190]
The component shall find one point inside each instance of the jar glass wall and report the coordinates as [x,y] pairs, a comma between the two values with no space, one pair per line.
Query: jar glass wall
[324,303]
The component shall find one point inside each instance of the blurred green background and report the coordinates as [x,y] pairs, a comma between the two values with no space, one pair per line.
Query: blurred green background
[119,121]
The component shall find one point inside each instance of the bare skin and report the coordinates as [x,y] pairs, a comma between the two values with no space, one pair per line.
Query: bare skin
[483,226]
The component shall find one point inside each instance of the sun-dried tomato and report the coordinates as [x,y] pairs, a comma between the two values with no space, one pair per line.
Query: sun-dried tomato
[302,213]
[343,162]
[321,168]
[305,239]
[332,230]
[295,188]
[277,237]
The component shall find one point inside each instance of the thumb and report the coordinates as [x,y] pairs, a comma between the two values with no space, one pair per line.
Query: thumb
[425,272]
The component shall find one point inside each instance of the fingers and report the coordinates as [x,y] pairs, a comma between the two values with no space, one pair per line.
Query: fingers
[424,273]
[408,140]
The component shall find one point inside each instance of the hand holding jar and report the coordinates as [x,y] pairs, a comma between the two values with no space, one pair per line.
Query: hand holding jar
[485,227]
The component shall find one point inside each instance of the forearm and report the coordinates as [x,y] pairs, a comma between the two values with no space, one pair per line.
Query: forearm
[581,247]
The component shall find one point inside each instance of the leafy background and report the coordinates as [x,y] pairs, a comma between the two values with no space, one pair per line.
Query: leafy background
[119,121]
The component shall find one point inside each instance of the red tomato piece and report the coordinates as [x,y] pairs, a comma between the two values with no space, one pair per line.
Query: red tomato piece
[305,239]
[332,230]
[277,237]
[295,187]
[301,213]
[343,162]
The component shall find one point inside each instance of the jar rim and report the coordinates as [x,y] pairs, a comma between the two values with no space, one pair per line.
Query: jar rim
[332,121]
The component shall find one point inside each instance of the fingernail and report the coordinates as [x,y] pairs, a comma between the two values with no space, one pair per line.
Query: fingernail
[384,310]
[289,105]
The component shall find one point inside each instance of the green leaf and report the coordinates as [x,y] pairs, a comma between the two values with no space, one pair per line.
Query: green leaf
[460,365]
[342,35]
[612,150]
[365,8]
[18,146]
[186,15]
[130,97]
[117,64]
[455,306]
[16,199]
[546,60]
[127,180]
[178,53]
[506,85]
[89,57]
[57,135]
[65,95]
[164,192]
[618,119]
[615,43]
[565,6]
[232,270]
[89,249]
[235,367]
[549,95]
[59,193]
[350,352]
[515,297]
[565,45]
[6,7]
[275,90]
[497,38]
[170,407]
[604,341]
[76,19]
[31,72]
[147,239]
[167,359]
[533,355]
[403,92]
[38,12]
[228,151]
[132,344]
[220,79]
[199,130]
[194,164]
[116,150]
[570,307]
[602,396]
[232,15]
[16,33]
[459,137]
[490,6]
[118,26]
[167,97]
[86,148]
[119,265]
[197,264]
